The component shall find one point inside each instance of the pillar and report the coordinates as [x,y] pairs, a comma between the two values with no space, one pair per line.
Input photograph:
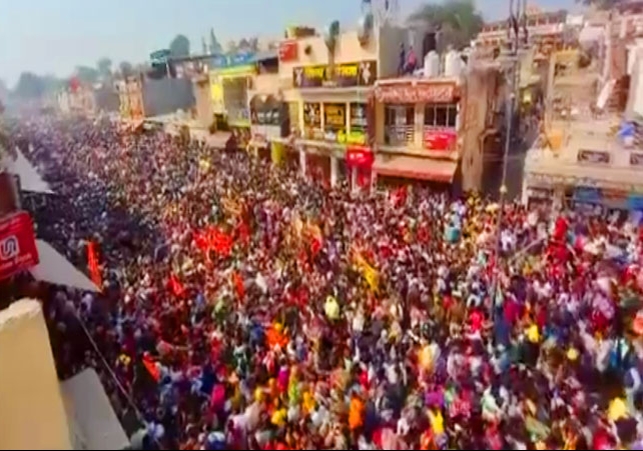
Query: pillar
[333,171]
[302,161]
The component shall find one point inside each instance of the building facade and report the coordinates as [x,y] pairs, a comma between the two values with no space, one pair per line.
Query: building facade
[326,84]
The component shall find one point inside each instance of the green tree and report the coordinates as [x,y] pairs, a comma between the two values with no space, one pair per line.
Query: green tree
[215,47]
[87,74]
[104,66]
[126,68]
[29,86]
[180,46]
[457,22]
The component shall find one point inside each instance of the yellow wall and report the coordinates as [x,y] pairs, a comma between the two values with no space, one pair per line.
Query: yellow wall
[32,414]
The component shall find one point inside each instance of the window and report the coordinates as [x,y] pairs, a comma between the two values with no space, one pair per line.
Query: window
[399,115]
[399,124]
[441,115]
[358,124]
[335,122]
[312,121]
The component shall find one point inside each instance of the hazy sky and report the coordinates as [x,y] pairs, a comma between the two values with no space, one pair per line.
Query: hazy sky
[54,36]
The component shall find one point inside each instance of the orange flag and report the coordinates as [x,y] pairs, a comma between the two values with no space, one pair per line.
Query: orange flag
[151,367]
[92,263]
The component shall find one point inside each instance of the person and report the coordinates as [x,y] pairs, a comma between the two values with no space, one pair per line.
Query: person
[377,331]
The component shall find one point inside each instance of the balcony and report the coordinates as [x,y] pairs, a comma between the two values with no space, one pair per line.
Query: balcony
[399,135]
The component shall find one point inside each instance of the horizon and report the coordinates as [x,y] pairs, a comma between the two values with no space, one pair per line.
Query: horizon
[53,38]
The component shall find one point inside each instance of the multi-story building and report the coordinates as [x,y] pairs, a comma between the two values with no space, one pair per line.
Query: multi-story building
[436,127]
[326,84]
[141,98]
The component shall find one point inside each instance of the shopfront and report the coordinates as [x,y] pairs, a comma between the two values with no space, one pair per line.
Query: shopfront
[335,117]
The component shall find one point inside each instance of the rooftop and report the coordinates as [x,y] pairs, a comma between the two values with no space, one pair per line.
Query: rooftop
[588,152]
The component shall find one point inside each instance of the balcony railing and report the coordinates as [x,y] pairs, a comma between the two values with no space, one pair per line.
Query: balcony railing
[399,135]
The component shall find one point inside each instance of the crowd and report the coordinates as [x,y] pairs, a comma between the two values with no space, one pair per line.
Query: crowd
[246,307]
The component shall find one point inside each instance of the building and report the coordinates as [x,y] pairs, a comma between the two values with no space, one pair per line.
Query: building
[545,31]
[590,154]
[436,127]
[326,84]
[141,97]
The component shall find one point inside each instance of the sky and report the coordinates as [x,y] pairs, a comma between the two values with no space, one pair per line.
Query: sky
[54,36]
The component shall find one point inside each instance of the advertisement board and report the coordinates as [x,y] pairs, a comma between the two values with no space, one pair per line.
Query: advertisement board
[18,250]
[340,75]
[439,139]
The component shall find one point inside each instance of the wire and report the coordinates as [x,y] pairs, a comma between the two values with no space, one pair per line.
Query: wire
[120,386]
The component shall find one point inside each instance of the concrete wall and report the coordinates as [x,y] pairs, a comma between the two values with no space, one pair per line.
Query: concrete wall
[203,99]
[32,414]
[479,87]
[167,95]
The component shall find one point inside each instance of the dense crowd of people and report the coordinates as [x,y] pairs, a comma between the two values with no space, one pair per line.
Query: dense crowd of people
[246,307]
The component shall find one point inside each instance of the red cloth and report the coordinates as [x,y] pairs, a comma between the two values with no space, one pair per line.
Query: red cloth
[151,368]
[92,263]
[176,287]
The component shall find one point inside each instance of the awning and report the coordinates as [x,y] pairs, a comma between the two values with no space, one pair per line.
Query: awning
[30,180]
[55,268]
[415,168]
[91,418]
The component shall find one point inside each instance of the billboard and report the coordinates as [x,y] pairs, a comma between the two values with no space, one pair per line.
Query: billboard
[18,250]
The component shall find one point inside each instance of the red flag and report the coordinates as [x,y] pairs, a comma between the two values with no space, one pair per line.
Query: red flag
[176,286]
[151,367]
[238,284]
[92,262]
[201,241]
[243,233]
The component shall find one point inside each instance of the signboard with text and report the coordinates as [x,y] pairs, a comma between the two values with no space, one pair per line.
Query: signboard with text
[436,139]
[288,51]
[18,250]
[341,75]
[439,92]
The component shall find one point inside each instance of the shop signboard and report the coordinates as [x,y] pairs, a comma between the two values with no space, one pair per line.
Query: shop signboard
[586,156]
[238,59]
[341,75]
[18,250]
[588,194]
[288,51]
[436,139]
[335,122]
[437,92]
[359,156]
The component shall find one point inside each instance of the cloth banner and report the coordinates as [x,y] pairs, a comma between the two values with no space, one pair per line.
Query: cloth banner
[92,262]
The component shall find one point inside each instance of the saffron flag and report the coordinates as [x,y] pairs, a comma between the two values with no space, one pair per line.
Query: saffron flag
[92,262]
[176,287]
[238,284]
[151,367]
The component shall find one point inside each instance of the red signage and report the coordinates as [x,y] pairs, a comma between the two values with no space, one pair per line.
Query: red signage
[359,156]
[437,92]
[18,250]
[439,139]
[288,51]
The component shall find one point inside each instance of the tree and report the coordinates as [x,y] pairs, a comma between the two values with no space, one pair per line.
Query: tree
[215,47]
[104,67]
[126,69]
[180,46]
[29,86]
[232,47]
[87,74]
[456,22]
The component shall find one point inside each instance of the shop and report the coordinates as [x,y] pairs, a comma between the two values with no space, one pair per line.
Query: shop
[268,121]
[334,115]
